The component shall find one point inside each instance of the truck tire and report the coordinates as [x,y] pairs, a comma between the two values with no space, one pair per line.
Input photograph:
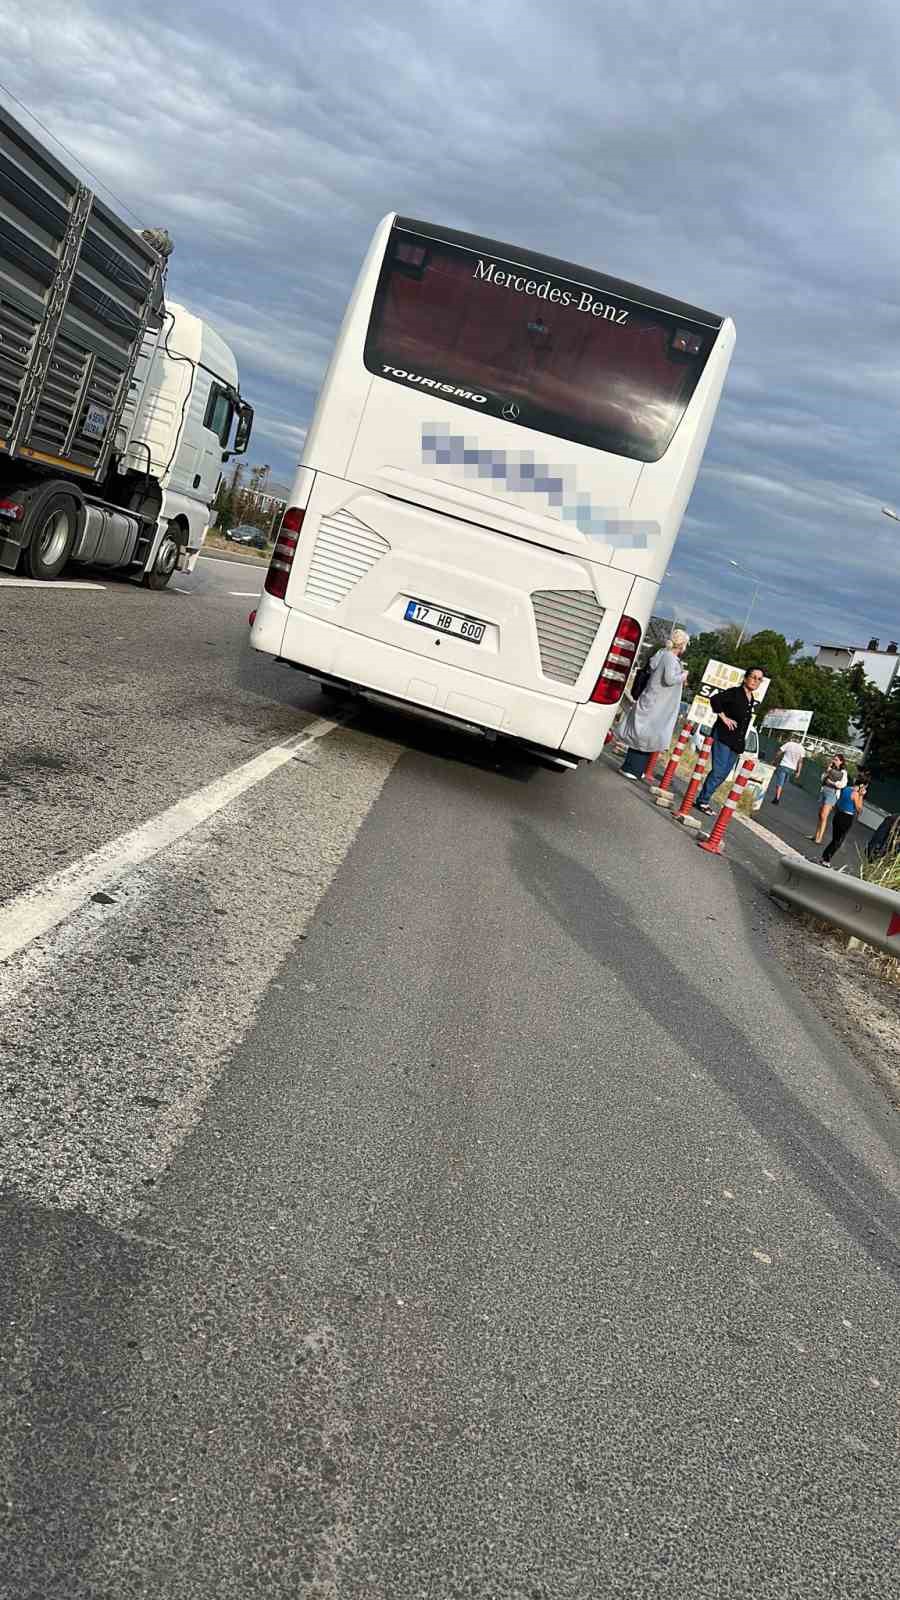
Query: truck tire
[164,562]
[52,523]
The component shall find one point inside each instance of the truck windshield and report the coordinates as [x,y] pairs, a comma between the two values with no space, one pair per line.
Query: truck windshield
[541,350]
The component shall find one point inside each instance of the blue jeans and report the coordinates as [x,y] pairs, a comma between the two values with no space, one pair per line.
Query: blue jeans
[635,763]
[723,761]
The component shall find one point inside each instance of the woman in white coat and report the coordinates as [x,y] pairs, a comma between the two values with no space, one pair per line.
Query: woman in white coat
[649,725]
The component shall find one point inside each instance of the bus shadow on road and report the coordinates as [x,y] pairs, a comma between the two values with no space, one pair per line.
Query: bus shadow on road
[587,910]
[414,733]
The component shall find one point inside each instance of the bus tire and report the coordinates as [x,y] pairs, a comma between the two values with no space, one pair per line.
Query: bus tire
[164,562]
[51,528]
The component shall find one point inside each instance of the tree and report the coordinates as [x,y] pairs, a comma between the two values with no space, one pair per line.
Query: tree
[766,649]
[871,703]
[245,507]
[878,715]
[223,505]
[795,683]
[828,695]
[769,650]
[884,750]
[702,648]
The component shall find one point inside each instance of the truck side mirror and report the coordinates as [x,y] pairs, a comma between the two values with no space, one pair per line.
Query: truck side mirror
[244,428]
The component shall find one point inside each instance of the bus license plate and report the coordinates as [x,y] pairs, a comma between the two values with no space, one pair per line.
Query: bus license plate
[445,621]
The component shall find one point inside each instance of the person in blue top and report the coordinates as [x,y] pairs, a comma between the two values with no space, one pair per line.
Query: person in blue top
[849,805]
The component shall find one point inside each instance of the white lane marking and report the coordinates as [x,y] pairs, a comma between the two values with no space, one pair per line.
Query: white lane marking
[176,589]
[48,583]
[233,561]
[768,837]
[244,594]
[38,910]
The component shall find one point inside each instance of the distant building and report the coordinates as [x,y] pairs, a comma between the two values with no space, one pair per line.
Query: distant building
[271,498]
[879,666]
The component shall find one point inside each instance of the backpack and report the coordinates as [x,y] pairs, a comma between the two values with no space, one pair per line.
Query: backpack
[640,680]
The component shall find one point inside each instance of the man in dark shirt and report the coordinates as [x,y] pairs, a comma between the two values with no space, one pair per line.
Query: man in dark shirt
[733,708]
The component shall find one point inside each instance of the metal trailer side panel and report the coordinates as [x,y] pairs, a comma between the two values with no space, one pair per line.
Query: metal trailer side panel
[78,290]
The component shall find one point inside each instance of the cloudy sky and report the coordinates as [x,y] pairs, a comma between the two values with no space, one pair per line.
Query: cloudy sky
[740,154]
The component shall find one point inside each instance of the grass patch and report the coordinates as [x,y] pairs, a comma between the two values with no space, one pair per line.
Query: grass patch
[217,541]
[885,871]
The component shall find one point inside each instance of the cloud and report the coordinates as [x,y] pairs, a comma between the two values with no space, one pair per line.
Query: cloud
[285,434]
[740,158]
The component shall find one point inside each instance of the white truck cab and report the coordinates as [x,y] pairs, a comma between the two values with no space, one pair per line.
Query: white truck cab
[179,422]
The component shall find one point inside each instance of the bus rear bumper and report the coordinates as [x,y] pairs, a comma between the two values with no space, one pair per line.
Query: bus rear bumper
[446,692]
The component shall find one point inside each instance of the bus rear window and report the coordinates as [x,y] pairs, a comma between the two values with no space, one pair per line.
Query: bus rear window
[545,352]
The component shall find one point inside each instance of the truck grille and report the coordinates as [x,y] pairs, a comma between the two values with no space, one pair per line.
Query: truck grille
[567,621]
[345,550]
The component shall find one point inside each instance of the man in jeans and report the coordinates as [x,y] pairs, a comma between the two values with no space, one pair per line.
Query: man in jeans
[734,709]
[790,765]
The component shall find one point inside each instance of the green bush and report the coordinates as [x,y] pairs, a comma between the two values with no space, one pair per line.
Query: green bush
[885,872]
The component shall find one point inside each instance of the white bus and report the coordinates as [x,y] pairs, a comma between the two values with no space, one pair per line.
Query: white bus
[496,472]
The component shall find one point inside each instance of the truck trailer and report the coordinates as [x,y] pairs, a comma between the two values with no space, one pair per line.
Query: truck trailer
[117,408]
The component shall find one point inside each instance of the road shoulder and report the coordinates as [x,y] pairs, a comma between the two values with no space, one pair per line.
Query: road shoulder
[856,991]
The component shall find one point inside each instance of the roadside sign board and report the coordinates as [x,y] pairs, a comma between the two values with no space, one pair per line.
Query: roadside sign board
[719,675]
[788,721]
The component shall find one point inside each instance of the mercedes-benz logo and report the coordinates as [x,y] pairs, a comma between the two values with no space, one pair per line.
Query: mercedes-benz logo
[511,413]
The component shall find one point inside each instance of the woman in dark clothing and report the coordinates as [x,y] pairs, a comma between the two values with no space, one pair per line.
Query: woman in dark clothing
[849,805]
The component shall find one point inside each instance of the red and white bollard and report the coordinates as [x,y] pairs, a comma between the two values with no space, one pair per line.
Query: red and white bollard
[714,842]
[648,773]
[665,784]
[690,794]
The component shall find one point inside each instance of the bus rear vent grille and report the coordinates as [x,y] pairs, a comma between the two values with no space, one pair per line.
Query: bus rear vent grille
[345,551]
[567,622]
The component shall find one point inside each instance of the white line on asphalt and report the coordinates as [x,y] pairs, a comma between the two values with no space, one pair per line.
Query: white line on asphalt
[770,838]
[48,583]
[37,911]
[176,590]
[233,561]
[244,594]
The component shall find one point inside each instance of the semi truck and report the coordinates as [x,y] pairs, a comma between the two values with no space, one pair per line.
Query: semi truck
[117,407]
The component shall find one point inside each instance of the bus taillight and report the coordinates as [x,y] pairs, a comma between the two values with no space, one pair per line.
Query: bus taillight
[611,683]
[284,552]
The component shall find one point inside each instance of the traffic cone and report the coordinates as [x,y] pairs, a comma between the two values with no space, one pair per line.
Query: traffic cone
[690,794]
[665,784]
[713,844]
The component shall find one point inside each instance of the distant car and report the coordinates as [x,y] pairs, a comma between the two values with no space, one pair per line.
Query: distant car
[762,774]
[247,534]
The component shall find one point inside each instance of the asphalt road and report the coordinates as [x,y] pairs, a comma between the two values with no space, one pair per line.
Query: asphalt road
[116,701]
[421,1179]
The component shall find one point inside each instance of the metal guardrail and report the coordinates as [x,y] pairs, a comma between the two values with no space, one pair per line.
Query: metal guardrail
[864,910]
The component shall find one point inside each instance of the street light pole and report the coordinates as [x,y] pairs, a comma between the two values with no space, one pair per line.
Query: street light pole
[748,616]
[757,582]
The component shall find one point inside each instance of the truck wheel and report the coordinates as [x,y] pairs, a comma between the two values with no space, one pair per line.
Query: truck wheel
[53,523]
[164,565]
